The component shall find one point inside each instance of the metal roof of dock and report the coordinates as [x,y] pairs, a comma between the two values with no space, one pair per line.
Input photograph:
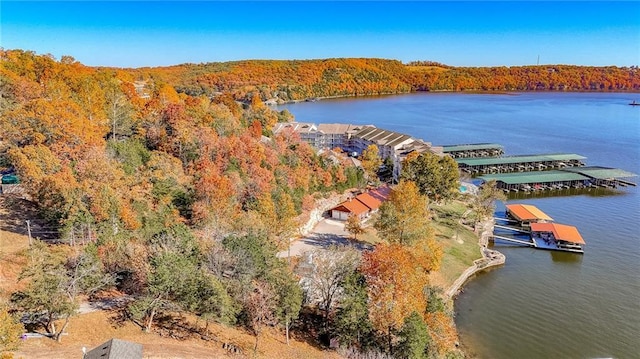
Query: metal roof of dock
[601,172]
[561,232]
[535,177]
[519,159]
[470,147]
[526,212]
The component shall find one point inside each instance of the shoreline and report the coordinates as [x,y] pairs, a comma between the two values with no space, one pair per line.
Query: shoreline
[274,102]
[490,258]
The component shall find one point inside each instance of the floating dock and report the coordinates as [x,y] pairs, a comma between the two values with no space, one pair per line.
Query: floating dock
[541,232]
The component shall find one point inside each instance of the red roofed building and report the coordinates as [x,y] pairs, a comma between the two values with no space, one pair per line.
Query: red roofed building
[348,208]
[362,205]
[370,201]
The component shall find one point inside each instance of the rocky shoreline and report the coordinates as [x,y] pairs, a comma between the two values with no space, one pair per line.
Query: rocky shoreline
[490,258]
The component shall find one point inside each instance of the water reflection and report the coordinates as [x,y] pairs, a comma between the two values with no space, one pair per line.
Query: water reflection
[590,192]
[566,257]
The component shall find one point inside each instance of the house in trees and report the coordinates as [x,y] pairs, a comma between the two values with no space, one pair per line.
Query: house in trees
[362,205]
[350,207]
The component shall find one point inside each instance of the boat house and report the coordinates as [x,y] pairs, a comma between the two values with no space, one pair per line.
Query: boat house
[526,214]
[557,237]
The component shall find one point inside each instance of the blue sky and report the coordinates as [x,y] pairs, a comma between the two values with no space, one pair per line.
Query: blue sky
[479,33]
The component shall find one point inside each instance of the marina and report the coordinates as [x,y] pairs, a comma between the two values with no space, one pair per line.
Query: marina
[521,163]
[606,218]
[580,177]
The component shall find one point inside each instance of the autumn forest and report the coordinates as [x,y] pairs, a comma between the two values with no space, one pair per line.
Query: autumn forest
[168,186]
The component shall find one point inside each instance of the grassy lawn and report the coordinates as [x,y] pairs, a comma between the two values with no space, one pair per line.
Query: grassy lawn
[459,242]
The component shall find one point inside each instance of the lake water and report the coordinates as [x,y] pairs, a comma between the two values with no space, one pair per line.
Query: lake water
[540,304]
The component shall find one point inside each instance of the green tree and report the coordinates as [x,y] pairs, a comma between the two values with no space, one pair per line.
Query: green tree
[414,338]
[10,331]
[436,176]
[484,202]
[205,295]
[289,297]
[55,284]
[404,217]
[164,284]
[352,325]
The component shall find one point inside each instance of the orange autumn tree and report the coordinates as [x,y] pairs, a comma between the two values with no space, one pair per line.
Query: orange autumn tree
[404,217]
[395,287]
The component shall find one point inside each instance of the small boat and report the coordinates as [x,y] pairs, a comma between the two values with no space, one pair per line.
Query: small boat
[634,103]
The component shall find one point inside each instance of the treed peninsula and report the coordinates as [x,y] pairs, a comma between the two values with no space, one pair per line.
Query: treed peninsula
[156,205]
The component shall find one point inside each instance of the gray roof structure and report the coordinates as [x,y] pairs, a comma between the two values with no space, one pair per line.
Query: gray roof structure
[535,177]
[519,159]
[471,147]
[381,136]
[115,349]
[604,173]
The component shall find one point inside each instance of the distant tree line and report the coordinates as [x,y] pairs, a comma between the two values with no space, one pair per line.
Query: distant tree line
[297,80]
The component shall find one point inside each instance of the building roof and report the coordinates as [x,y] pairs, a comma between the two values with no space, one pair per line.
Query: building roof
[535,177]
[370,201]
[598,172]
[561,232]
[471,147]
[381,137]
[519,159]
[299,127]
[337,128]
[527,212]
[381,193]
[115,349]
[352,206]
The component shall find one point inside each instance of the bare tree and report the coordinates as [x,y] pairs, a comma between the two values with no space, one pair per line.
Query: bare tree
[260,306]
[324,273]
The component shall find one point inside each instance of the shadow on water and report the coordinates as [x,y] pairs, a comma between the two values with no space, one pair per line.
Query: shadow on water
[566,257]
[591,192]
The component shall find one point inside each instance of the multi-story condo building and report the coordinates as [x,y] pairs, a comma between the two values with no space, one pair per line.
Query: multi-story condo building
[356,138]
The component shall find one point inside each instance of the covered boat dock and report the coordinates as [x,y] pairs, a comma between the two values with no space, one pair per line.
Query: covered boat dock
[557,237]
[475,166]
[526,214]
[474,150]
[538,180]
[605,176]
[577,177]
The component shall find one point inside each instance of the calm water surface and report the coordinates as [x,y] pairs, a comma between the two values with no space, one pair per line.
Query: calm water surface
[540,304]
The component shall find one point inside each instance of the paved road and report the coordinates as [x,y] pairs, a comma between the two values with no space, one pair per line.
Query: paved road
[326,233]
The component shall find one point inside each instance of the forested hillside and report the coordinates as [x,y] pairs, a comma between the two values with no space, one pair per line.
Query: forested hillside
[167,186]
[179,203]
[303,79]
